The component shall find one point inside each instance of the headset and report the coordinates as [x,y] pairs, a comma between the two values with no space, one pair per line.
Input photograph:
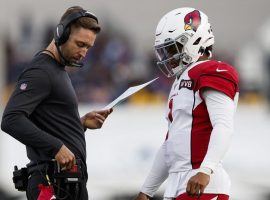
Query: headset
[62,32]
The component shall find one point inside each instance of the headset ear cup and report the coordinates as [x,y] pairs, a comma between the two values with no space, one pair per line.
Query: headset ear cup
[65,35]
[58,34]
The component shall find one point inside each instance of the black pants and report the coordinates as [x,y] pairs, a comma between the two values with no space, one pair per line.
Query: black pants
[67,191]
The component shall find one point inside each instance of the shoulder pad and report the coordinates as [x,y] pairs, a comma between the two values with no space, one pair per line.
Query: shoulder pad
[216,75]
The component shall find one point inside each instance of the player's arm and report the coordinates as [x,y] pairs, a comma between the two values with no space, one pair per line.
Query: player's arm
[32,88]
[221,110]
[157,175]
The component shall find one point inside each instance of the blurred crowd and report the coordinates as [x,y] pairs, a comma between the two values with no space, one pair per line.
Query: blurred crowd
[108,67]
[111,66]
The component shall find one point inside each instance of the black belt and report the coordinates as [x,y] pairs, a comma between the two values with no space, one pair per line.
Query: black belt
[49,166]
[41,166]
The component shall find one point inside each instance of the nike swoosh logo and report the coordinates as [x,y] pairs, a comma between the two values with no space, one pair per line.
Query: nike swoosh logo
[221,70]
[215,198]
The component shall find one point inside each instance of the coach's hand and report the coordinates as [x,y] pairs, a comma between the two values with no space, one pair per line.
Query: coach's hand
[65,158]
[142,196]
[95,119]
[197,184]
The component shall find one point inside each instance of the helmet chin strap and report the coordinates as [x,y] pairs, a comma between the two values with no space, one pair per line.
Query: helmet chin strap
[66,62]
[181,71]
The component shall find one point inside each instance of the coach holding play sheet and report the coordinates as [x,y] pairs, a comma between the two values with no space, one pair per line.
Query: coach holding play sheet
[42,112]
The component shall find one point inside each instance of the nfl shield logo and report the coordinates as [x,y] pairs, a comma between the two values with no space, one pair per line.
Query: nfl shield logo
[23,86]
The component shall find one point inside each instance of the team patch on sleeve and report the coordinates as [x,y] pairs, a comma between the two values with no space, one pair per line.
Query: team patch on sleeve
[186,84]
[23,86]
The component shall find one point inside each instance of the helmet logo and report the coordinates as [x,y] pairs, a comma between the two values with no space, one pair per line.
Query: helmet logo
[192,20]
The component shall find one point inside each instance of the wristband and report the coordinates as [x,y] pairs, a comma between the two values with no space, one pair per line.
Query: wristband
[205,170]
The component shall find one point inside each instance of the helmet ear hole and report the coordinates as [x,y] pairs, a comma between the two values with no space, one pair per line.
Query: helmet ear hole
[201,50]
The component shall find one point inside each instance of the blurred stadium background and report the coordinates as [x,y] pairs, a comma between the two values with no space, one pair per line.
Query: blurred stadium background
[121,153]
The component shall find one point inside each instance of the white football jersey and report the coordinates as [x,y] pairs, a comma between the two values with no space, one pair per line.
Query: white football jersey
[189,125]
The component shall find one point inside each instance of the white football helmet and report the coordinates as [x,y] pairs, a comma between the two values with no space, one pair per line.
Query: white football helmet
[182,35]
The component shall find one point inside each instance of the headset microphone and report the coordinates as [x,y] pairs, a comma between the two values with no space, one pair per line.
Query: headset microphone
[65,62]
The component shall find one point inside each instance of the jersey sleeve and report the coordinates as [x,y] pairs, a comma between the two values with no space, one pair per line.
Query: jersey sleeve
[32,88]
[221,109]
[157,175]
[220,77]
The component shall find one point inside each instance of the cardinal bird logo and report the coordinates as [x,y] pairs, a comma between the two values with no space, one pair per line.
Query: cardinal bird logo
[192,20]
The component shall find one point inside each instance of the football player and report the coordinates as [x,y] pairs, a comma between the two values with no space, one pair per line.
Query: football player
[200,111]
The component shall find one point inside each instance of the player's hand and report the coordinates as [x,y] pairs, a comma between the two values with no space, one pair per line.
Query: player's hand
[95,119]
[197,184]
[142,196]
[65,158]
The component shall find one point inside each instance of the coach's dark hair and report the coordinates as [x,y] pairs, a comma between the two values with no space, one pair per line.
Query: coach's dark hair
[85,22]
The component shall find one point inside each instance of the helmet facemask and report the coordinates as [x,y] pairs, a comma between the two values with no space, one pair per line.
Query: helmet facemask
[172,60]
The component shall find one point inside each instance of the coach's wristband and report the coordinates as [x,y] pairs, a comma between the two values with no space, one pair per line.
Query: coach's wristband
[205,170]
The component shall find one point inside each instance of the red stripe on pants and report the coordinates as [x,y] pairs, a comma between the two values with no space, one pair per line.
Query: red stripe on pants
[204,197]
